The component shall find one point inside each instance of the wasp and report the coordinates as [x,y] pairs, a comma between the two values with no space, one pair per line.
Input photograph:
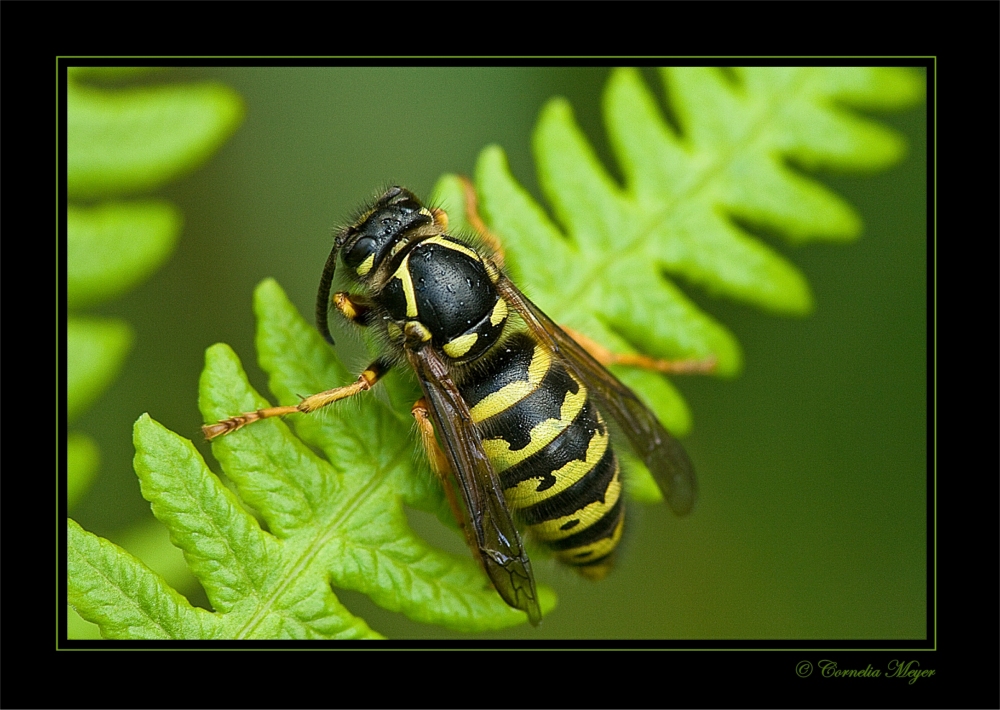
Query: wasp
[518,405]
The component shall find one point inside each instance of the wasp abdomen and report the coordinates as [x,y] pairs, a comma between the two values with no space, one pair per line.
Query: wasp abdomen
[549,444]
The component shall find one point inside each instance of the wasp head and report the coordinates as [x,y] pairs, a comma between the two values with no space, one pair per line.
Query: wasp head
[364,244]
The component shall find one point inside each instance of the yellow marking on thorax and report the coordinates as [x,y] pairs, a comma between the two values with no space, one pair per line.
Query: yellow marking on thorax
[510,394]
[594,550]
[541,435]
[526,493]
[491,269]
[365,266]
[403,274]
[587,515]
[454,246]
[457,347]
[499,312]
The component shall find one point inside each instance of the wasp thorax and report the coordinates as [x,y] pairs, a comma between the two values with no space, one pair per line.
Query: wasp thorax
[443,283]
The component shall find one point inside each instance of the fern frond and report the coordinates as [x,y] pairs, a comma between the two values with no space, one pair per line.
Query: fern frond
[334,520]
[121,142]
[602,264]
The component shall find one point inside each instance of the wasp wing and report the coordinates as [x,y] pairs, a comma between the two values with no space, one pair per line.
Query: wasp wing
[663,455]
[499,543]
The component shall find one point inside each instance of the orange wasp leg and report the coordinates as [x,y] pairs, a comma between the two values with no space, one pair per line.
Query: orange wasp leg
[365,382]
[353,307]
[674,367]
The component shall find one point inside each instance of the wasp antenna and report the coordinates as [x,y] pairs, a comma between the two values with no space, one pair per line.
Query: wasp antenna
[323,296]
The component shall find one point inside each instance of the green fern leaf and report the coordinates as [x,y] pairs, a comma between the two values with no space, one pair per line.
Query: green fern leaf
[674,214]
[336,520]
[95,351]
[127,141]
[82,460]
[601,266]
[112,248]
[122,142]
[605,273]
[111,588]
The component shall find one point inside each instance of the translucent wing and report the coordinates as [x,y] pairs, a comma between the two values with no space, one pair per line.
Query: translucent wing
[499,544]
[663,455]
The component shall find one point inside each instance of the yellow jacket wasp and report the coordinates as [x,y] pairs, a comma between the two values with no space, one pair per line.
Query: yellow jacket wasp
[517,404]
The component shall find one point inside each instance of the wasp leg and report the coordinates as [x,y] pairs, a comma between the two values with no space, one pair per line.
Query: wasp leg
[491,240]
[606,357]
[372,374]
[439,464]
[353,307]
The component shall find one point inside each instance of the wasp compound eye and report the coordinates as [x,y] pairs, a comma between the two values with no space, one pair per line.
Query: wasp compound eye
[362,249]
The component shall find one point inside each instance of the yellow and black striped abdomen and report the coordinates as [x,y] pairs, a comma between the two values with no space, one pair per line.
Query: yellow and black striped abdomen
[549,444]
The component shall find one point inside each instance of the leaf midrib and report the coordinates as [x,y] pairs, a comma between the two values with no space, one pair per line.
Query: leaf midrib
[338,516]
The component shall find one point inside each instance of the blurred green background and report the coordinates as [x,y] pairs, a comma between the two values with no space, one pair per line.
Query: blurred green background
[811,522]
